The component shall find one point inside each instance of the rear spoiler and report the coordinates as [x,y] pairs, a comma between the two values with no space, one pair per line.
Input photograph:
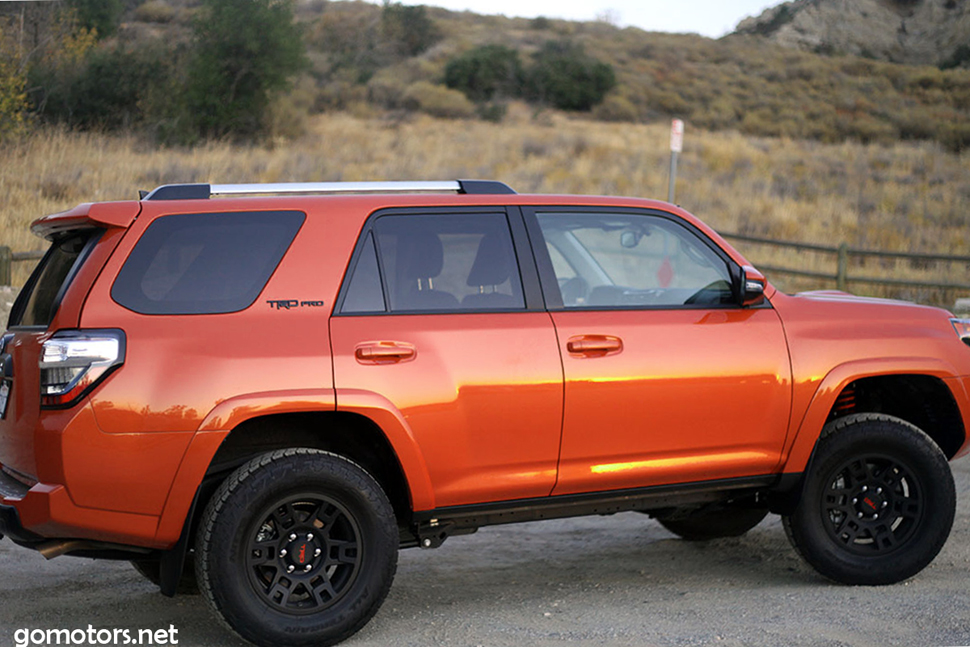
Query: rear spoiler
[97,214]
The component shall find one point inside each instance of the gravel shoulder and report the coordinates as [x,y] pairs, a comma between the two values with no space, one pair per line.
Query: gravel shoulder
[619,580]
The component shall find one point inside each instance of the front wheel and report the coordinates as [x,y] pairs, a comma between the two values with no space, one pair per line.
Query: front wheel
[297,547]
[878,502]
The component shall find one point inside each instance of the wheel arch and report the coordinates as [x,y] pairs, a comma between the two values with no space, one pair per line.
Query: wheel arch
[931,373]
[368,431]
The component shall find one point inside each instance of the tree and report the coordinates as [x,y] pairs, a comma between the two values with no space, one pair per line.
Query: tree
[565,76]
[246,53]
[484,72]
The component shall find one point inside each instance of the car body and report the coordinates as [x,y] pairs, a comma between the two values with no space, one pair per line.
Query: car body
[467,356]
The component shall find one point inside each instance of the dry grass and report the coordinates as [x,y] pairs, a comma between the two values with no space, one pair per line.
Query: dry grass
[902,197]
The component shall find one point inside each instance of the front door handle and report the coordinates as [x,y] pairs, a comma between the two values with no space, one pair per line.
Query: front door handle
[384,352]
[594,345]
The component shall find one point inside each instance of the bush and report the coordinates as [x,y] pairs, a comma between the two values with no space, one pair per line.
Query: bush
[564,76]
[157,11]
[438,101]
[616,108]
[410,28]
[486,72]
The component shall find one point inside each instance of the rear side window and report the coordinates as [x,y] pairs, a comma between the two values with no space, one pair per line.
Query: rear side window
[207,263]
[39,299]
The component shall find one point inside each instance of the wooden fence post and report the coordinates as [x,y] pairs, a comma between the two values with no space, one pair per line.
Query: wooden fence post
[841,278]
[6,262]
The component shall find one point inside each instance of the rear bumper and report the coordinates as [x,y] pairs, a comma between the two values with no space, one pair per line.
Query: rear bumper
[11,527]
[30,516]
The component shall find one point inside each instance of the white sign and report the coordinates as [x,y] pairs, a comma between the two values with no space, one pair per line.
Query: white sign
[676,136]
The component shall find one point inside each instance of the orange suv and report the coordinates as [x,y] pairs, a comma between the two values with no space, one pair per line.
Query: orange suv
[273,388]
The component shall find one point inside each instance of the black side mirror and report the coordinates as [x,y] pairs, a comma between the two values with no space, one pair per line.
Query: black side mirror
[753,284]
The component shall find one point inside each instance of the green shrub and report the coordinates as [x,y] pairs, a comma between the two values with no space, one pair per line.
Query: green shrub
[486,72]
[410,28]
[563,75]
[438,101]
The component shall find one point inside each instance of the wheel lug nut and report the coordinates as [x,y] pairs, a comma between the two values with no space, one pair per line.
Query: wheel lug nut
[317,552]
[854,501]
[885,504]
[860,515]
[307,568]
[865,488]
[290,568]
[292,536]
[878,490]
[875,516]
[283,553]
[309,536]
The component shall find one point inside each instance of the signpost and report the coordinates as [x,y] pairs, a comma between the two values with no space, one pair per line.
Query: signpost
[676,146]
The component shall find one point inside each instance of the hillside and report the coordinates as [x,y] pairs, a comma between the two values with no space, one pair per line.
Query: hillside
[363,63]
[916,32]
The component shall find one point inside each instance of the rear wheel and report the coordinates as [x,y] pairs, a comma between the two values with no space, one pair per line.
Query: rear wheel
[878,502]
[297,547]
[714,523]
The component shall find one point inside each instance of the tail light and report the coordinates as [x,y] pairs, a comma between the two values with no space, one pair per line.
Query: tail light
[74,361]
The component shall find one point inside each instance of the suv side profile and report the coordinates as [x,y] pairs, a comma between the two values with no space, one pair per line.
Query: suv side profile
[273,388]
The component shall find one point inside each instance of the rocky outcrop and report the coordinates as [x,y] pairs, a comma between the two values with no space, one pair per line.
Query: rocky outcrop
[917,32]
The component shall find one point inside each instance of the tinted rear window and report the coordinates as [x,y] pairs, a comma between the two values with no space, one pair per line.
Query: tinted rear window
[39,299]
[204,263]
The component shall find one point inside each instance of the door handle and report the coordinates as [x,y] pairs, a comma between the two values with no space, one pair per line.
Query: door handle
[384,352]
[594,345]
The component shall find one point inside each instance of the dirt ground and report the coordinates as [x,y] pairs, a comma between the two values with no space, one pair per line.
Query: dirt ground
[620,580]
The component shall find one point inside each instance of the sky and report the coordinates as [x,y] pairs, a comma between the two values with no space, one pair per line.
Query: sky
[713,18]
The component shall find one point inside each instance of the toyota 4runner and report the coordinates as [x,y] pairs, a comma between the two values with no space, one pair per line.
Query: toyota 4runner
[273,388]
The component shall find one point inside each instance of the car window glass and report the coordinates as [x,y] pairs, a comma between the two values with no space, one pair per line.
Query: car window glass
[204,263]
[37,306]
[365,293]
[617,260]
[437,263]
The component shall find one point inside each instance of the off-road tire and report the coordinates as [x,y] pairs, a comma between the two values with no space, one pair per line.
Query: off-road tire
[878,502]
[317,512]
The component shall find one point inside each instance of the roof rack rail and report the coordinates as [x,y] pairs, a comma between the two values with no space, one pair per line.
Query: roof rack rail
[206,191]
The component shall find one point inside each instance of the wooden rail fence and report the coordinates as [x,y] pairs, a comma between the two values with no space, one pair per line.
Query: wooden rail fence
[847,257]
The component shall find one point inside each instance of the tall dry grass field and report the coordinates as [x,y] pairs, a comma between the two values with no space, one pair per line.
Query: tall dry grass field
[901,197]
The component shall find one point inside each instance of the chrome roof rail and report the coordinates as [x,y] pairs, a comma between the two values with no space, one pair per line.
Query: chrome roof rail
[206,191]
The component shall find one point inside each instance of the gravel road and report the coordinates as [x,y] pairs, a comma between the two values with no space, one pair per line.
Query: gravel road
[620,580]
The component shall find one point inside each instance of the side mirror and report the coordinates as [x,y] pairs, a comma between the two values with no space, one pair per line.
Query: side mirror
[753,285]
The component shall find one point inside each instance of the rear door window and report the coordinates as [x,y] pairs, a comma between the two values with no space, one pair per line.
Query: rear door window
[38,301]
[437,263]
[208,263]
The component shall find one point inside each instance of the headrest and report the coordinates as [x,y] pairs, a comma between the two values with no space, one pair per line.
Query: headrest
[419,255]
[493,263]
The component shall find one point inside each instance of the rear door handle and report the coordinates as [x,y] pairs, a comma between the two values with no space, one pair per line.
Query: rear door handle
[384,352]
[594,345]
